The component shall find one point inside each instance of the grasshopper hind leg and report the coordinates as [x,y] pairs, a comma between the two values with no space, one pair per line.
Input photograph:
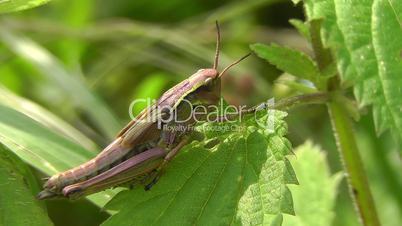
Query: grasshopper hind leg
[154,176]
[144,180]
[151,179]
[148,180]
[152,183]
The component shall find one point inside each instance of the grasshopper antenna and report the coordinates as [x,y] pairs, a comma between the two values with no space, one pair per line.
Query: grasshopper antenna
[233,64]
[218,45]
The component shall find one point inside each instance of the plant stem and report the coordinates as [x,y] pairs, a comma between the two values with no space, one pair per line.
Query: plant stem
[344,135]
[357,180]
[290,102]
[311,98]
[322,54]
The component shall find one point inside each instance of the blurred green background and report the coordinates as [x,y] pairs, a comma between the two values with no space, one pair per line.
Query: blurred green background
[86,60]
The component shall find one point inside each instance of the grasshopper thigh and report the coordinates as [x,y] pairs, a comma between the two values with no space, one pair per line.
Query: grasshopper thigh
[134,167]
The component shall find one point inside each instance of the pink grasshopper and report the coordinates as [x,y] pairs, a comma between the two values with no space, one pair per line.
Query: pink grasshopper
[143,148]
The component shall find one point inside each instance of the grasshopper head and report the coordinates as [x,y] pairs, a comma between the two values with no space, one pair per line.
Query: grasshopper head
[204,76]
[210,77]
[206,85]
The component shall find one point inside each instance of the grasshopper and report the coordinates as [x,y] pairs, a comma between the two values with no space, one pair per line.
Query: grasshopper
[142,149]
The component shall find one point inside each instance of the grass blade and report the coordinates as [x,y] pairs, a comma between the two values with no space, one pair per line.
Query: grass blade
[44,117]
[43,149]
[72,87]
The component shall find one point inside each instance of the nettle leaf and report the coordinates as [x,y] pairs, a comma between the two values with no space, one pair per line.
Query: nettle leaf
[289,60]
[314,198]
[43,149]
[17,203]
[18,5]
[241,180]
[365,37]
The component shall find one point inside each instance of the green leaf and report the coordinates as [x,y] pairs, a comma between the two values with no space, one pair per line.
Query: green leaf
[70,85]
[301,27]
[242,180]
[365,37]
[42,148]
[289,60]
[314,198]
[18,5]
[17,203]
